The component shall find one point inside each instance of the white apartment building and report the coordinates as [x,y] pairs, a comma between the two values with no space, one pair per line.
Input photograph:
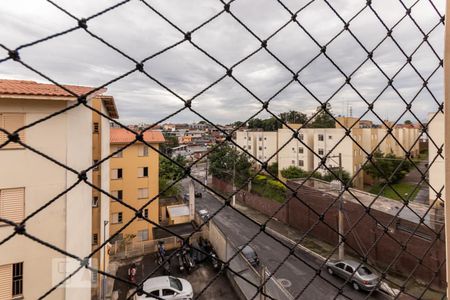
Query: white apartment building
[28,181]
[331,142]
[261,144]
[292,151]
[437,168]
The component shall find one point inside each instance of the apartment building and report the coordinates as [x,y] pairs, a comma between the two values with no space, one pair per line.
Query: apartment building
[293,152]
[134,180]
[436,172]
[28,181]
[262,145]
[100,178]
[364,138]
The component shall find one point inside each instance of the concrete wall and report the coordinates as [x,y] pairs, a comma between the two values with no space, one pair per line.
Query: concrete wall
[436,162]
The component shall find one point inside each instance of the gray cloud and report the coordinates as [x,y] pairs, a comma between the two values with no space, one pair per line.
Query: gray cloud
[77,58]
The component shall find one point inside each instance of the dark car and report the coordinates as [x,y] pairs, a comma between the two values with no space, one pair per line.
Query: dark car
[250,255]
[359,275]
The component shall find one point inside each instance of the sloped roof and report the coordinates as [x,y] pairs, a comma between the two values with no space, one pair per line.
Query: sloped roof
[33,88]
[121,136]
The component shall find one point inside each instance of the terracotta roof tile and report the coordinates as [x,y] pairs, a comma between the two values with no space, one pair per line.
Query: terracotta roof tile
[121,135]
[32,88]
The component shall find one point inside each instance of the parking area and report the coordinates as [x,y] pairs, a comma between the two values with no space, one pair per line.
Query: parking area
[199,278]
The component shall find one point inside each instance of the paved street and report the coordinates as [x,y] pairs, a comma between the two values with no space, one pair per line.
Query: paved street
[295,274]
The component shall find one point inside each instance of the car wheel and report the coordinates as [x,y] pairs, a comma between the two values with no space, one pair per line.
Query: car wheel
[355,286]
[330,271]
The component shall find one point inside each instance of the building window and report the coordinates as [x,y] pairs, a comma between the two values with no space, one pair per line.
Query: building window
[293,162]
[265,138]
[116,218]
[300,163]
[293,149]
[116,174]
[118,154]
[143,172]
[146,213]
[260,139]
[17,279]
[95,239]
[95,201]
[260,148]
[142,235]
[330,137]
[118,194]
[12,204]
[249,138]
[320,137]
[95,127]
[300,136]
[94,277]
[143,150]
[11,122]
[142,193]
[300,150]
[245,146]
[320,151]
[249,147]
[96,167]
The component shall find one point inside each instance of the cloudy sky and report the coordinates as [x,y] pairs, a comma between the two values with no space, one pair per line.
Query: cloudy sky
[133,28]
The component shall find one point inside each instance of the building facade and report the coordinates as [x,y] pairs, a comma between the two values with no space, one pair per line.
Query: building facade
[134,175]
[28,181]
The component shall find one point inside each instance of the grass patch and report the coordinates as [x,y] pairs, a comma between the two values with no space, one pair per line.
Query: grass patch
[401,188]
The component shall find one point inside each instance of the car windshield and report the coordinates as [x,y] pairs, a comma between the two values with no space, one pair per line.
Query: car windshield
[364,271]
[175,283]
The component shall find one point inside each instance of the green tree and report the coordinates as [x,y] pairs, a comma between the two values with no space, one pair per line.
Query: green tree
[273,168]
[329,176]
[293,172]
[293,116]
[171,142]
[270,124]
[408,122]
[385,166]
[323,119]
[170,172]
[224,159]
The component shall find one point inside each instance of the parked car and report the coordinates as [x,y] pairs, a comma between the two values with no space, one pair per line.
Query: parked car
[204,214]
[363,278]
[166,287]
[250,255]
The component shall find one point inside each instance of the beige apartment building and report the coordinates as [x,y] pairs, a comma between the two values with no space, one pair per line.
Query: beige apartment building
[100,178]
[364,137]
[260,144]
[28,181]
[134,180]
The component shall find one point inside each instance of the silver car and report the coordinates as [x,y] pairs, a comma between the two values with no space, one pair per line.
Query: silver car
[360,276]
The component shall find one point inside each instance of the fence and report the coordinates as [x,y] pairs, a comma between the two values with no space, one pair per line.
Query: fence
[386,56]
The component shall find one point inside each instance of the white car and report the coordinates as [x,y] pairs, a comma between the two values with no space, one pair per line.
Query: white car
[167,287]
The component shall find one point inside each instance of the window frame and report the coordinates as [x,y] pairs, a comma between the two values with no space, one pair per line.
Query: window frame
[17,279]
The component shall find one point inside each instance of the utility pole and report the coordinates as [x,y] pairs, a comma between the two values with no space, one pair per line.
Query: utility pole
[233,202]
[206,173]
[341,213]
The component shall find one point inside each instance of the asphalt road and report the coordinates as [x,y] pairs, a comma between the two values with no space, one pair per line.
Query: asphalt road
[298,277]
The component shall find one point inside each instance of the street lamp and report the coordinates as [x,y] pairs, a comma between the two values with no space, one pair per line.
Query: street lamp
[105,222]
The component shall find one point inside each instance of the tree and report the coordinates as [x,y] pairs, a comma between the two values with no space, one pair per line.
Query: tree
[169,172]
[324,118]
[408,122]
[293,116]
[171,142]
[236,124]
[387,166]
[273,168]
[224,159]
[334,175]
[270,124]
[293,172]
